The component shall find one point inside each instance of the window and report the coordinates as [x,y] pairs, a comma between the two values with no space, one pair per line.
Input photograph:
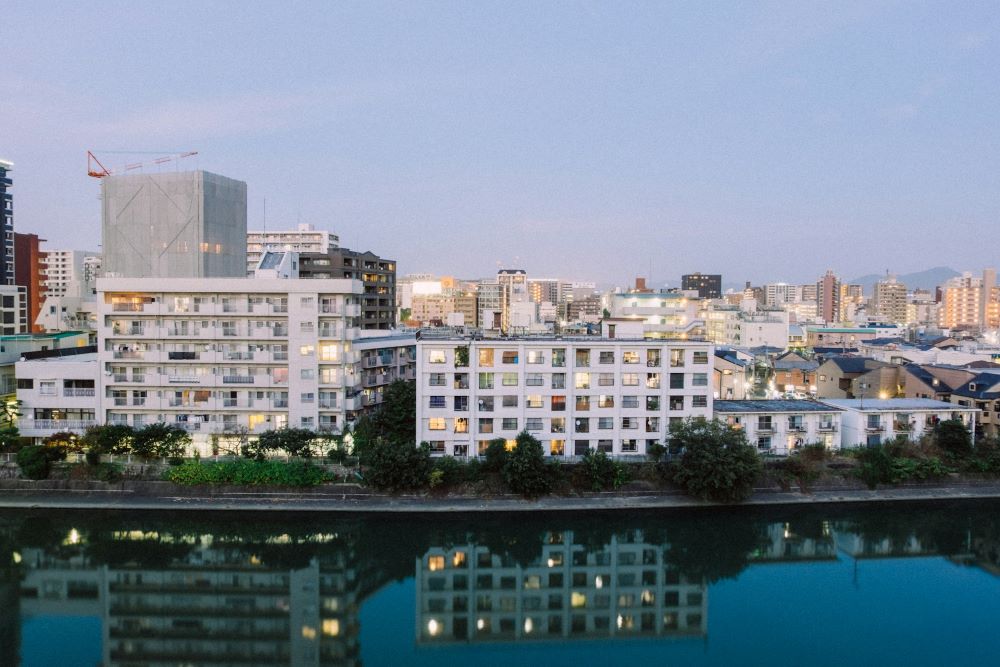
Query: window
[307,302]
[582,425]
[607,357]
[534,380]
[652,358]
[676,358]
[558,380]
[25,383]
[534,401]
[630,357]
[436,424]
[558,404]
[606,401]
[536,357]
[699,380]
[533,424]
[582,380]
[700,358]
[436,357]
[307,397]
[437,447]
[581,447]
[583,402]
[558,357]
[461,425]
[306,350]
[509,424]
[461,381]
[486,357]
[509,356]
[764,423]
[630,379]
[630,401]
[437,402]
[307,374]
[652,380]
[874,421]
[630,423]
[606,446]
[509,379]
[583,358]
[652,402]
[652,424]
[676,402]
[486,404]
[485,425]
[558,424]
[510,401]
[764,443]
[47,387]
[699,401]
[606,379]
[436,380]
[304,327]
[677,380]
[630,446]
[486,380]
[557,447]
[605,423]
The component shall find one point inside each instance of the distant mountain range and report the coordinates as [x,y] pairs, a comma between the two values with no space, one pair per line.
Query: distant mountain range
[928,279]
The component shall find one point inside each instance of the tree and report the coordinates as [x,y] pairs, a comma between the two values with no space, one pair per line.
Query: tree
[67,440]
[952,436]
[396,418]
[108,439]
[496,455]
[291,441]
[712,461]
[160,440]
[10,437]
[397,466]
[524,471]
[603,472]
[35,461]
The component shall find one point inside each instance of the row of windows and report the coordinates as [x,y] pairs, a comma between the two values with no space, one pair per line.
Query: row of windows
[537,424]
[646,622]
[557,357]
[581,380]
[558,447]
[558,403]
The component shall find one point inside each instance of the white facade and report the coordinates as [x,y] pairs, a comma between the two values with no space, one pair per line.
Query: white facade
[574,395]
[57,394]
[663,314]
[781,426]
[305,238]
[875,421]
[63,267]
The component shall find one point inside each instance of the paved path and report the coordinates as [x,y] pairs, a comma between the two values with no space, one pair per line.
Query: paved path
[348,502]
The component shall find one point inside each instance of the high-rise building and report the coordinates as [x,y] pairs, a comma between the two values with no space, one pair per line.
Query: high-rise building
[889,301]
[7,218]
[377,274]
[29,273]
[304,238]
[708,286]
[828,297]
[970,303]
[174,225]
[489,302]
[63,267]
[544,290]
[513,290]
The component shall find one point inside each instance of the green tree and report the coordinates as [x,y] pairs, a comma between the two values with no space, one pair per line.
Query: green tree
[952,436]
[603,472]
[396,417]
[36,461]
[291,441]
[108,439]
[10,437]
[496,455]
[524,471]
[159,440]
[396,466]
[712,461]
[67,440]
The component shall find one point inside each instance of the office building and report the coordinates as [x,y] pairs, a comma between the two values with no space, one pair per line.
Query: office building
[708,286]
[174,225]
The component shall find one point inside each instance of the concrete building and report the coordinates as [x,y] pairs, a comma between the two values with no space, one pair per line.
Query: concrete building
[489,294]
[574,394]
[29,273]
[828,298]
[305,238]
[64,267]
[781,426]
[6,224]
[708,286]
[663,314]
[868,422]
[731,372]
[513,293]
[795,375]
[376,274]
[57,392]
[850,337]
[970,303]
[13,310]
[14,347]
[889,301]
[174,225]
[432,310]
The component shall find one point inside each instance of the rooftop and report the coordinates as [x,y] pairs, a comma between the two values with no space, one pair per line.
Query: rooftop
[772,405]
[891,404]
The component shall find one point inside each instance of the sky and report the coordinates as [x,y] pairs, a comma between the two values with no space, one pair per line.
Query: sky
[582,140]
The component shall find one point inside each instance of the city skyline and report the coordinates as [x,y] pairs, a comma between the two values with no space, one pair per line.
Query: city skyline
[527,129]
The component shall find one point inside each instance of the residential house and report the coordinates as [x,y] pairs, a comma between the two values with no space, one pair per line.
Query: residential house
[872,422]
[783,425]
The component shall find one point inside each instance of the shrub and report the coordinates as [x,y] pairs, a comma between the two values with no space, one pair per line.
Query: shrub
[398,466]
[603,472]
[36,460]
[449,472]
[524,471]
[108,472]
[108,439]
[496,455]
[92,456]
[291,441]
[712,460]
[246,472]
[953,437]
[159,440]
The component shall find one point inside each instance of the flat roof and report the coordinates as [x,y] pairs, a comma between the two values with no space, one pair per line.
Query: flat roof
[42,336]
[773,405]
[71,358]
[875,404]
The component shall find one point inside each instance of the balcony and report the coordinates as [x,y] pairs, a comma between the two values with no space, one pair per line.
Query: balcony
[796,428]
[128,331]
[129,354]
[904,427]
[237,379]
[188,426]
[238,356]
[182,356]
[874,428]
[827,428]
[78,391]
[58,424]
[183,379]
[127,307]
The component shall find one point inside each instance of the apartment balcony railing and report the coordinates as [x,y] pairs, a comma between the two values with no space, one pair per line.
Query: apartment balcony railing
[765,429]
[329,309]
[902,426]
[797,428]
[182,356]
[874,427]
[127,307]
[123,377]
[283,404]
[184,332]
[327,405]
[238,356]
[189,426]
[183,379]
[237,379]
[827,428]
[280,356]
[78,391]
[58,424]
[279,331]
[128,331]
[129,354]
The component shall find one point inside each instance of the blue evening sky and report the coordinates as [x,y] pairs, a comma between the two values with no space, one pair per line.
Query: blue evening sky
[586,140]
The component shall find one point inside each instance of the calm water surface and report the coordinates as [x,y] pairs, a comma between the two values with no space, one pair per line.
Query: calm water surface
[901,585]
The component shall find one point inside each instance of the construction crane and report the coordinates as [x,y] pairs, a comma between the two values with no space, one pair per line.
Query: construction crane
[98,170]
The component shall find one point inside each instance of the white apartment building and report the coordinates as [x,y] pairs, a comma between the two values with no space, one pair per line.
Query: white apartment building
[781,426]
[615,395]
[228,354]
[663,314]
[62,267]
[304,238]
[874,421]
[57,394]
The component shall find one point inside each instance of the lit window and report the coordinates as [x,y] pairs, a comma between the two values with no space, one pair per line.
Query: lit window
[436,424]
[436,357]
[435,563]
[306,350]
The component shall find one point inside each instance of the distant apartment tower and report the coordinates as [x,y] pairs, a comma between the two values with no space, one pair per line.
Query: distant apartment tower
[7,218]
[29,273]
[544,290]
[970,303]
[489,303]
[377,275]
[174,225]
[304,238]
[513,290]
[828,297]
[708,286]
[63,267]
[889,301]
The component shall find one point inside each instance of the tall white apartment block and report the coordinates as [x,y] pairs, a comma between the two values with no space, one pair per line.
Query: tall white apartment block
[304,238]
[63,267]
[228,355]
[574,394]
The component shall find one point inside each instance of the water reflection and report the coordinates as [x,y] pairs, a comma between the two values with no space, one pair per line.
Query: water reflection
[287,590]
